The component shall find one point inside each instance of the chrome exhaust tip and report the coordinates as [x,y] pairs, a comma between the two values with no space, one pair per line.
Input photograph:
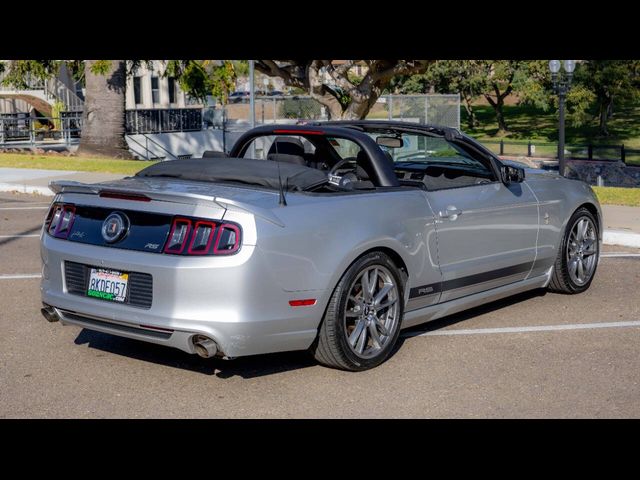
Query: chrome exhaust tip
[205,347]
[49,313]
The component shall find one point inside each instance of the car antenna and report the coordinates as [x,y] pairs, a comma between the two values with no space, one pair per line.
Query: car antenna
[281,199]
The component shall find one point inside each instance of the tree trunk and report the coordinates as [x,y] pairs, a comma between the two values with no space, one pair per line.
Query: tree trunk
[472,120]
[497,108]
[604,110]
[103,126]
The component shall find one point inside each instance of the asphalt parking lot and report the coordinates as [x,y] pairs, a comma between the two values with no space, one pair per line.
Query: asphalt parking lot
[538,355]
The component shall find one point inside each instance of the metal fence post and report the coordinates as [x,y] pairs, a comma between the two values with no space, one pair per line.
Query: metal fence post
[623,154]
[426,109]
[529,149]
[458,111]
[501,147]
[590,151]
[390,102]
[2,131]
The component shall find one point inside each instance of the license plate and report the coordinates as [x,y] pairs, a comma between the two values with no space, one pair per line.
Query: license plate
[108,284]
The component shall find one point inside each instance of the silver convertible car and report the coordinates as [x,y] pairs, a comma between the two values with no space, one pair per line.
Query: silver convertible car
[327,237]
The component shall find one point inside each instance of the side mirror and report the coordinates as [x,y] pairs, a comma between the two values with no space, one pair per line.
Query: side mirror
[511,174]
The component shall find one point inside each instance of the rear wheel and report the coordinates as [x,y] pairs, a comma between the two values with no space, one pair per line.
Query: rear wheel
[362,321]
[577,258]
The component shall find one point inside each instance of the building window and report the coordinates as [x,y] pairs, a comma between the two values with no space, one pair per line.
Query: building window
[155,90]
[172,89]
[137,90]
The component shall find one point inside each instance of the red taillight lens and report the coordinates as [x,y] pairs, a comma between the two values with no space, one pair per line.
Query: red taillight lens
[228,240]
[196,237]
[201,238]
[178,235]
[61,220]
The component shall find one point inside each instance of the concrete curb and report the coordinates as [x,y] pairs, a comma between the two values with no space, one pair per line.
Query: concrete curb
[621,237]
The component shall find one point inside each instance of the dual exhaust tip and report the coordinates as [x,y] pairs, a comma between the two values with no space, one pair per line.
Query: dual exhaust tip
[204,346]
[49,313]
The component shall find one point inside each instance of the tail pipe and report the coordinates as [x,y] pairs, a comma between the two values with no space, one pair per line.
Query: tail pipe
[204,346]
[49,313]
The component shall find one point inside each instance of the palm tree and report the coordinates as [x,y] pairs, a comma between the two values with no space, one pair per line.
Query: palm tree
[104,109]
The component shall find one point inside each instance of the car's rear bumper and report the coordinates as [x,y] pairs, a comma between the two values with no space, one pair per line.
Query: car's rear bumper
[233,300]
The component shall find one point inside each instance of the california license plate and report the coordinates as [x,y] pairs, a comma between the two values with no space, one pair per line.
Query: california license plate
[108,284]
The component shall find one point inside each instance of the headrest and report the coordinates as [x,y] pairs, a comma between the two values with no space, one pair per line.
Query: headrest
[288,145]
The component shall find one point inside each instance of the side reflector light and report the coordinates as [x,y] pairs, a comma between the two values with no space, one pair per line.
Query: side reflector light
[302,303]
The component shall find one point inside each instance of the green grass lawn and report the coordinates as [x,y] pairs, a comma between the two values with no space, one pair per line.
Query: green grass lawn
[83,164]
[618,196]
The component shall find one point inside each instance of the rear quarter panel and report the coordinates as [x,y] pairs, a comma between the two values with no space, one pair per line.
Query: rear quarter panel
[323,235]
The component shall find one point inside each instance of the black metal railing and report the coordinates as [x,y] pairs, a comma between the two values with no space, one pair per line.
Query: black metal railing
[589,152]
[163,120]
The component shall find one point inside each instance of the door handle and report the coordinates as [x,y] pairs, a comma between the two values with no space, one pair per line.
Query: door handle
[451,213]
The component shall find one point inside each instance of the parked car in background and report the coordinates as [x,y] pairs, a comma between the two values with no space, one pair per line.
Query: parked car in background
[238,96]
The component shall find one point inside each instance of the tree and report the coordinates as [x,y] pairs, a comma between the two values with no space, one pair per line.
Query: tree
[609,81]
[103,118]
[331,84]
[105,80]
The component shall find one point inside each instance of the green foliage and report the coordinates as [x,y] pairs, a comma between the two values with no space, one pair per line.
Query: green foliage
[200,78]
[20,72]
[306,108]
[101,67]
[241,67]
[56,111]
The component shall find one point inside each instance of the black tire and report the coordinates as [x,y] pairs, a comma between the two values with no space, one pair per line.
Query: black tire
[561,281]
[331,347]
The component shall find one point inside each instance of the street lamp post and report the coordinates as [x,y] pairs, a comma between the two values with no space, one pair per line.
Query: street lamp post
[561,85]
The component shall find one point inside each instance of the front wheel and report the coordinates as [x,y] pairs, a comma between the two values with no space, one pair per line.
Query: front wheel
[362,321]
[578,256]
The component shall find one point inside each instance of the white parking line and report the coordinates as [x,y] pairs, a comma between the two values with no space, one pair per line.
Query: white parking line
[540,328]
[614,255]
[24,208]
[19,276]
[20,236]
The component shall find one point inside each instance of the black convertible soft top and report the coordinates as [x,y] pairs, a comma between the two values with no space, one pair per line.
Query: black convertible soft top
[241,170]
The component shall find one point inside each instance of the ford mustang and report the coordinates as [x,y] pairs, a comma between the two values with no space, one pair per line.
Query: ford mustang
[327,236]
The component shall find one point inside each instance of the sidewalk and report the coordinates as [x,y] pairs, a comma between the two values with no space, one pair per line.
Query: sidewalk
[621,224]
[26,180]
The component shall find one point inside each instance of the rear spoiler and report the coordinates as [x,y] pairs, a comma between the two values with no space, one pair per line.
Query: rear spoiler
[69,186]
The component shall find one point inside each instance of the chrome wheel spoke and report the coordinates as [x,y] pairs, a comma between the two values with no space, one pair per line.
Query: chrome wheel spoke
[375,338]
[573,266]
[580,270]
[357,332]
[362,339]
[381,327]
[366,289]
[384,291]
[390,303]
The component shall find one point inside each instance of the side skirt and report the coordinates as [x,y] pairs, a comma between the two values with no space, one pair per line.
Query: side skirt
[433,312]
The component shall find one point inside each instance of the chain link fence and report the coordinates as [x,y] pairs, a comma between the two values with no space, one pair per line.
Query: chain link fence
[441,110]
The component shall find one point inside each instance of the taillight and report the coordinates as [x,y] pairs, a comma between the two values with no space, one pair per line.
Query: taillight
[202,237]
[228,240]
[60,220]
[178,235]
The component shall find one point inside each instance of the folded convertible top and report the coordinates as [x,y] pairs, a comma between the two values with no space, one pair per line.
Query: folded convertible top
[243,170]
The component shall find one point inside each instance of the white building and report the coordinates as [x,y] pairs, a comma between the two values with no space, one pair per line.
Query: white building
[150,89]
